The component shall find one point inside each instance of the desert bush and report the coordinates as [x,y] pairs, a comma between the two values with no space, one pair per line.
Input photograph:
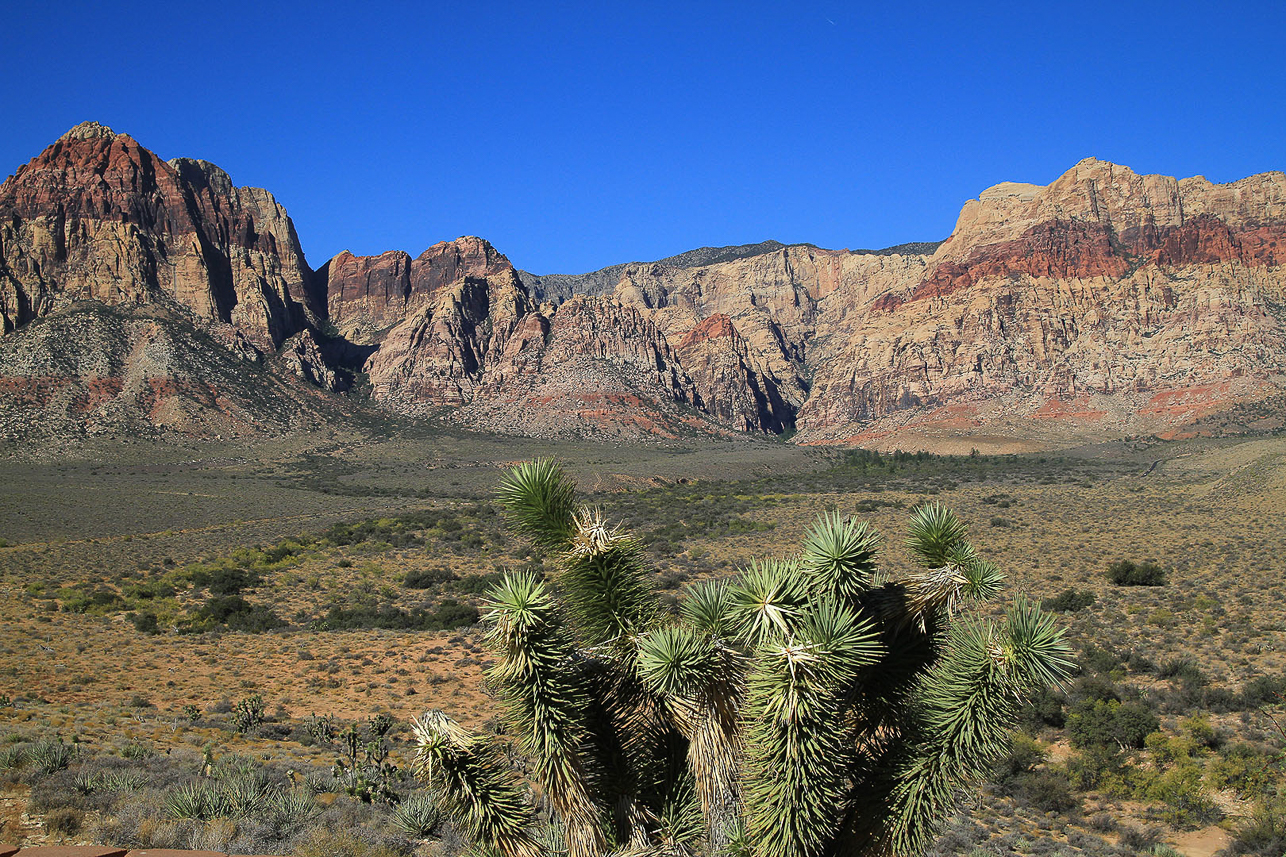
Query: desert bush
[236,614]
[1139,840]
[64,821]
[46,757]
[135,750]
[1045,708]
[1108,723]
[448,615]
[417,815]
[423,578]
[1126,572]
[1264,833]
[1186,801]
[1048,791]
[1263,690]
[323,842]
[1244,768]
[145,622]
[288,811]
[198,801]
[1069,601]
[1183,669]
[12,757]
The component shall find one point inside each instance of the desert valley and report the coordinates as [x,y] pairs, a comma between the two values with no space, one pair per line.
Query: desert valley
[250,529]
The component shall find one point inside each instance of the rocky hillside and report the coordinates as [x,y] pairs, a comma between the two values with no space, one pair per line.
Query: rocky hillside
[98,369]
[1106,303]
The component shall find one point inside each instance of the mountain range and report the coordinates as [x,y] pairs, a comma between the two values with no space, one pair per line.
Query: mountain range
[139,295]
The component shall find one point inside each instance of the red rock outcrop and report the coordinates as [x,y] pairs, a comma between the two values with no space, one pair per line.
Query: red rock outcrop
[97,216]
[367,295]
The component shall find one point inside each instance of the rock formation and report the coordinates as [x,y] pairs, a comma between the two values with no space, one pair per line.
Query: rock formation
[98,217]
[1104,303]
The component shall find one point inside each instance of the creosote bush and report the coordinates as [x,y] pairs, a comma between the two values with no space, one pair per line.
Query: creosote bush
[1126,572]
[815,705]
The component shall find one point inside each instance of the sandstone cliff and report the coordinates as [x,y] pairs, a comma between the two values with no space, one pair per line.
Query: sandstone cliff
[1107,301]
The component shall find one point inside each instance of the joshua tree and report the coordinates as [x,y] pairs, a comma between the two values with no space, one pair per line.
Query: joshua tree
[814,705]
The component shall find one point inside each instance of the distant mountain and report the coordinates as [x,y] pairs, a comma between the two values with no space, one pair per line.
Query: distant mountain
[143,295]
[560,287]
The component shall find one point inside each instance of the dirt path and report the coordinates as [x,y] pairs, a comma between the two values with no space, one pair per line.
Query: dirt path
[1203,843]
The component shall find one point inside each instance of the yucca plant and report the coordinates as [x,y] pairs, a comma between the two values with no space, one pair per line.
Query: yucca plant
[813,706]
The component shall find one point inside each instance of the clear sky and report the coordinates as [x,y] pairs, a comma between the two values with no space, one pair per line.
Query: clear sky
[577,135]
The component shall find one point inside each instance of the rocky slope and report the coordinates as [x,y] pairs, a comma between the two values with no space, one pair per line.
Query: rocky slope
[96,369]
[1102,304]
[559,287]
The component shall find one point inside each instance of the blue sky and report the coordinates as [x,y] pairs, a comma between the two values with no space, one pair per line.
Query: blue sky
[576,135]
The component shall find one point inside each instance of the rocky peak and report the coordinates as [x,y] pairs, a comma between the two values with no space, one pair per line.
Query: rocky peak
[89,131]
[1121,202]
[203,175]
[367,295]
[98,216]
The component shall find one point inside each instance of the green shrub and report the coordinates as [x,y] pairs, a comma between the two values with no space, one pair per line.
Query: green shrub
[289,811]
[1128,573]
[46,757]
[198,801]
[423,578]
[1108,723]
[1264,833]
[417,815]
[12,757]
[146,622]
[1187,804]
[1264,690]
[134,750]
[1069,601]
[237,614]
[1048,791]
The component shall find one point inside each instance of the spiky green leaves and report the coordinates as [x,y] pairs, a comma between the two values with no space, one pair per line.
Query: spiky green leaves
[541,500]
[936,536]
[768,601]
[708,607]
[547,701]
[951,571]
[608,591]
[839,556]
[678,660]
[474,786]
[1035,651]
[967,707]
[798,747]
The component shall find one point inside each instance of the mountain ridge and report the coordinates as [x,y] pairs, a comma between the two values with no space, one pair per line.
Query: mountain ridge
[1106,302]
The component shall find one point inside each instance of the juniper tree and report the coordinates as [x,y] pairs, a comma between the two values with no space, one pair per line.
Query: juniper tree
[814,705]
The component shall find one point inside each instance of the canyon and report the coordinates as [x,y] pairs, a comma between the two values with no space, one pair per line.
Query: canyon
[143,295]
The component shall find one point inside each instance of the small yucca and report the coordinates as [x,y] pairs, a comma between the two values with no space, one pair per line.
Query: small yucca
[813,706]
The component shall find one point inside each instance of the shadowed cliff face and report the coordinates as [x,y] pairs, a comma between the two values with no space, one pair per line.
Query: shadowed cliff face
[1105,302]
